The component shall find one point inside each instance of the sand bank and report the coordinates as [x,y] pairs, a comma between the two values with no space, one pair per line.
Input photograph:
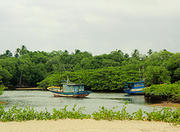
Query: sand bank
[87,126]
[166,104]
[2,102]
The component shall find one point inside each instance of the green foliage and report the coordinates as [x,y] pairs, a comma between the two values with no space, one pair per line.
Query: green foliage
[52,80]
[139,115]
[156,75]
[158,58]
[170,91]
[111,114]
[74,113]
[28,113]
[173,65]
[165,114]
[105,72]
[2,87]
[8,53]
[5,76]
[105,79]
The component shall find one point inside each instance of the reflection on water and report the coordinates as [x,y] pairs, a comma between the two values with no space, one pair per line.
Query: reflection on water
[44,99]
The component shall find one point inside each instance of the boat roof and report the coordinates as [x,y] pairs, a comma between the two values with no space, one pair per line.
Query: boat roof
[135,82]
[73,84]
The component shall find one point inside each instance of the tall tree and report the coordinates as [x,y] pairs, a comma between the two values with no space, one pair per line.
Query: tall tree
[150,52]
[156,75]
[136,54]
[173,65]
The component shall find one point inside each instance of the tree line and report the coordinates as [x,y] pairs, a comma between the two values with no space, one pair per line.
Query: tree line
[106,72]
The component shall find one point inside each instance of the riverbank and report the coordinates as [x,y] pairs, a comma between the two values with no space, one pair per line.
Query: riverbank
[2,102]
[166,104]
[35,88]
[87,125]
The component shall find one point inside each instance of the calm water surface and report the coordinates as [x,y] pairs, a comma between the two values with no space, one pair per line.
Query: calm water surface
[42,100]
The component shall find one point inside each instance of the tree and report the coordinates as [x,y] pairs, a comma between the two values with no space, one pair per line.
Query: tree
[156,75]
[1,88]
[29,67]
[17,52]
[23,50]
[158,58]
[103,79]
[77,51]
[8,53]
[30,72]
[149,52]
[173,65]
[86,63]
[5,76]
[136,54]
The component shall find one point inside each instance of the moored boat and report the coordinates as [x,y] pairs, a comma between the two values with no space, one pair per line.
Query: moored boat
[69,90]
[134,87]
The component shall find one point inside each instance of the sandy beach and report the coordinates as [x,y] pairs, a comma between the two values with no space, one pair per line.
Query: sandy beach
[87,126]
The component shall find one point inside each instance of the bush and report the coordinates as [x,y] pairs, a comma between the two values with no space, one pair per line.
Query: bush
[28,113]
[169,91]
[2,87]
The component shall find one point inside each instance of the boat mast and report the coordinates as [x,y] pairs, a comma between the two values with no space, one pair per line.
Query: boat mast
[67,79]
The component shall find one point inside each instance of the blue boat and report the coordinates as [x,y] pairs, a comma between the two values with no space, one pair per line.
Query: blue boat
[134,87]
[69,90]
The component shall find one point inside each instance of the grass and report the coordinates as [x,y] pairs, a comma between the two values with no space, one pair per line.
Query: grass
[28,113]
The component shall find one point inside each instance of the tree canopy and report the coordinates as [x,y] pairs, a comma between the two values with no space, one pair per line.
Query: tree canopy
[107,72]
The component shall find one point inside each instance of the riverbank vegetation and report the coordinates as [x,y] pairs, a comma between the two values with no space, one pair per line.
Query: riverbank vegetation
[105,72]
[28,113]
[103,79]
[169,92]
[2,87]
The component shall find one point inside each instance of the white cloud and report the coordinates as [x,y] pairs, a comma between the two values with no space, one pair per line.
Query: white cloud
[97,26]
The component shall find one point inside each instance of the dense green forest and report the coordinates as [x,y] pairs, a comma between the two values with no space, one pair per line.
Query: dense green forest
[106,72]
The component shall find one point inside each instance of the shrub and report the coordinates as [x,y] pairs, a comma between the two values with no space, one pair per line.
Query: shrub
[169,91]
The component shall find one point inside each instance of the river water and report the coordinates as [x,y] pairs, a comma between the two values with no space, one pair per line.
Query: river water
[42,100]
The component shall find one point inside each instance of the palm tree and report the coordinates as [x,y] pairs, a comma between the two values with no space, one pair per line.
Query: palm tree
[17,52]
[8,53]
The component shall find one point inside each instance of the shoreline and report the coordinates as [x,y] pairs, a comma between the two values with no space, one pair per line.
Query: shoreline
[2,102]
[166,104]
[87,125]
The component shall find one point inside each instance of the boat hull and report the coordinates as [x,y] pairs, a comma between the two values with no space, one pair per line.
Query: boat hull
[134,87]
[135,91]
[59,93]
[75,96]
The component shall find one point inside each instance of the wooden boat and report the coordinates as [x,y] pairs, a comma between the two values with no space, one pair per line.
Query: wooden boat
[69,90]
[134,87]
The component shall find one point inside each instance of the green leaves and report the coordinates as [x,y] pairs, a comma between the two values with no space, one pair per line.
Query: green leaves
[5,76]
[28,113]
[100,72]
[105,79]
[170,91]
[2,87]
[156,75]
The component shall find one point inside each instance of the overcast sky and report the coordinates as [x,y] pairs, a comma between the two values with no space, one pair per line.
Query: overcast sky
[97,26]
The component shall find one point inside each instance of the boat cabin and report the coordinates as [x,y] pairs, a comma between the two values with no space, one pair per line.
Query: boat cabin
[73,87]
